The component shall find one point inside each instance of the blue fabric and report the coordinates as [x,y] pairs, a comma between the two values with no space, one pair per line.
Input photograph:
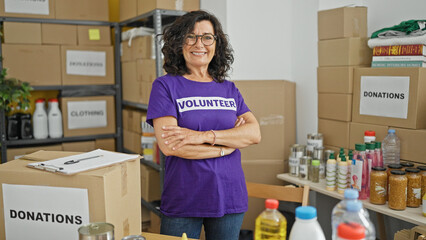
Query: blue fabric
[221,228]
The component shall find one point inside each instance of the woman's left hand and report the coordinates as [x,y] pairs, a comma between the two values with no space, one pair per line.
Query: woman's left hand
[176,137]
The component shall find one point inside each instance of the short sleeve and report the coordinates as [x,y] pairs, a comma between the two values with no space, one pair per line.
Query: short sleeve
[241,105]
[161,103]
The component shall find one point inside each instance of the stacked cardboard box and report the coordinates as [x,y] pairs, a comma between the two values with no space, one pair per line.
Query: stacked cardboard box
[273,104]
[342,47]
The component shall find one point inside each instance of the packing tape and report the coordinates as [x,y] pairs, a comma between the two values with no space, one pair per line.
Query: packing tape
[272,119]
[124,179]
[126,227]
[355,27]
[179,5]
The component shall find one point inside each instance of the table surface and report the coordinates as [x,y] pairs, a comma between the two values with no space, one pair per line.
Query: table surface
[154,236]
[412,215]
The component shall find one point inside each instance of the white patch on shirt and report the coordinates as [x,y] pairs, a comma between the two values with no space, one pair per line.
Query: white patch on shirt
[206,103]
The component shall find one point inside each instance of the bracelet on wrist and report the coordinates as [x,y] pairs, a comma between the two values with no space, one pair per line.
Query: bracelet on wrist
[214,137]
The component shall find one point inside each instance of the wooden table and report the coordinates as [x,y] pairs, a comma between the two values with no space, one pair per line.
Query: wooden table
[154,236]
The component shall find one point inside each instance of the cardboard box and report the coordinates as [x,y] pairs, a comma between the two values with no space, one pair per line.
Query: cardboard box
[28,9]
[155,225]
[38,65]
[128,9]
[261,171]
[273,104]
[335,133]
[85,146]
[335,106]
[105,144]
[145,6]
[344,52]
[22,33]
[87,65]
[146,92]
[132,120]
[335,80]
[150,184]
[113,192]
[357,132]
[390,97]
[342,22]
[131,87]
[146,70]
[14,153]
[83,116]
[59,34]
[95,10]
[94,35]
[132,141]
[139,48]
[412,144]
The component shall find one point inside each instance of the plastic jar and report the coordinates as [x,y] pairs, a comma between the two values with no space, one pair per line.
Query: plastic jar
[414,187]
[397,190]
[423,174]
[378,184]
[315,170]
[390,168]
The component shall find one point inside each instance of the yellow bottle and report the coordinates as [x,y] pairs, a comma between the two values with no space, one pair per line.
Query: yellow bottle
[184,237]
[271,224]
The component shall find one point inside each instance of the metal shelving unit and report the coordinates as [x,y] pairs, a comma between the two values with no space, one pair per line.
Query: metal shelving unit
[89,90]
[155,19]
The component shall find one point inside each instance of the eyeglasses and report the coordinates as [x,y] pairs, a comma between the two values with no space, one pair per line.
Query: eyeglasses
[207,39]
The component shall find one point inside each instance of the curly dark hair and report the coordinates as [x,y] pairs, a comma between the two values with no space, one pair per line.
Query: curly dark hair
[174,37]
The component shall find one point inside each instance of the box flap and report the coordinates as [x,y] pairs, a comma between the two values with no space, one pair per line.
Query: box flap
[47,155]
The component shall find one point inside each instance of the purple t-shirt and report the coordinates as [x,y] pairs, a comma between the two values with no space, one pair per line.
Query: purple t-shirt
[209,187]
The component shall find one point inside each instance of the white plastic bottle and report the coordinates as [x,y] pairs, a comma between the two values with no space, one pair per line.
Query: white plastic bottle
[306,225]
[40,129]
[354,214]
[369,136]
[391,148]
[55,119]
[342,175]
[350,195]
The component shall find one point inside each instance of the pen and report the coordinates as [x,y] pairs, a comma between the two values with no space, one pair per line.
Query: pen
[82,159]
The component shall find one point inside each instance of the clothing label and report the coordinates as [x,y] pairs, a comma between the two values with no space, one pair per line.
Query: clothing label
[381,95]
[87,114]
[86,63]
[41,212]
[206,103]
[40,7]
[356,175]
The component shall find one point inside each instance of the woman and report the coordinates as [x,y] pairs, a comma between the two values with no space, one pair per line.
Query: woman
[200,121]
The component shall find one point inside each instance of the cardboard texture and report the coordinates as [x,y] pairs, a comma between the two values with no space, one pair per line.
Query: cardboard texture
[146,70]
[155,225]
[145,6]
[335,106]
[132,120]
[38,65]
[114,192]
[85,146]
[131,87]
[273,105]
[146,91]
[94,35]
[140,48]
[22,33]
[73,79]
[416,118]
[59,34]
[335,133]
[96,10]
[260,171]
[110,116]
[150,184]
[357,132]
[344,52]
[342,23]
[335,80]
[51,11]
[412,144]
[105,144]
[132,141]
[128,9]
[13,153]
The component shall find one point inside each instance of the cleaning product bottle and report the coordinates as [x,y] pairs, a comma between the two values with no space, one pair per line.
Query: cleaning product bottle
[40,127]
[369,136]
[379,154]
[55,119]
[350,231]
[330,177]
[360,174]
[342,175]
[271,224]
[306,225]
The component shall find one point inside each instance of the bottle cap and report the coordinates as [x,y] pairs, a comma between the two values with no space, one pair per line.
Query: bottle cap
[331,156]
[360,147]
[370,146]
[351,194]
[395,166]
[379,169]
[342,157]
[53,100]
[378,144]
[391,131]
[40,100]
[351,230]
[407,164]
[306,212]
[317,163]
[398,172]
[370,133]
[353,206]
[412,170]
[271,203]
[423,168]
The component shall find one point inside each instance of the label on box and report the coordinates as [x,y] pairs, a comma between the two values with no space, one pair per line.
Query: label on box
[40,7]
[86,63]
[41,212]
[384,96]
[87,114]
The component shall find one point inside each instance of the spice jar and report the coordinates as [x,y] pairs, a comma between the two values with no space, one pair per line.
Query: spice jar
[390,168]
[414,187]
[406,165]
[423,174]
[397,190]
[315,170]
[296,152]
[305,162]
[378,184]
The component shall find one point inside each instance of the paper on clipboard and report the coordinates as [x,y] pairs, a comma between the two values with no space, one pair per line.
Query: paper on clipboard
[83,162]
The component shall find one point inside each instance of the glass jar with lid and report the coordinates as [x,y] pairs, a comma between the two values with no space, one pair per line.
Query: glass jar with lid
[305,163]
[378,185]
[406,165]
[390,168]
[397,190]
[315,171]
[414,187]
[423,174]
